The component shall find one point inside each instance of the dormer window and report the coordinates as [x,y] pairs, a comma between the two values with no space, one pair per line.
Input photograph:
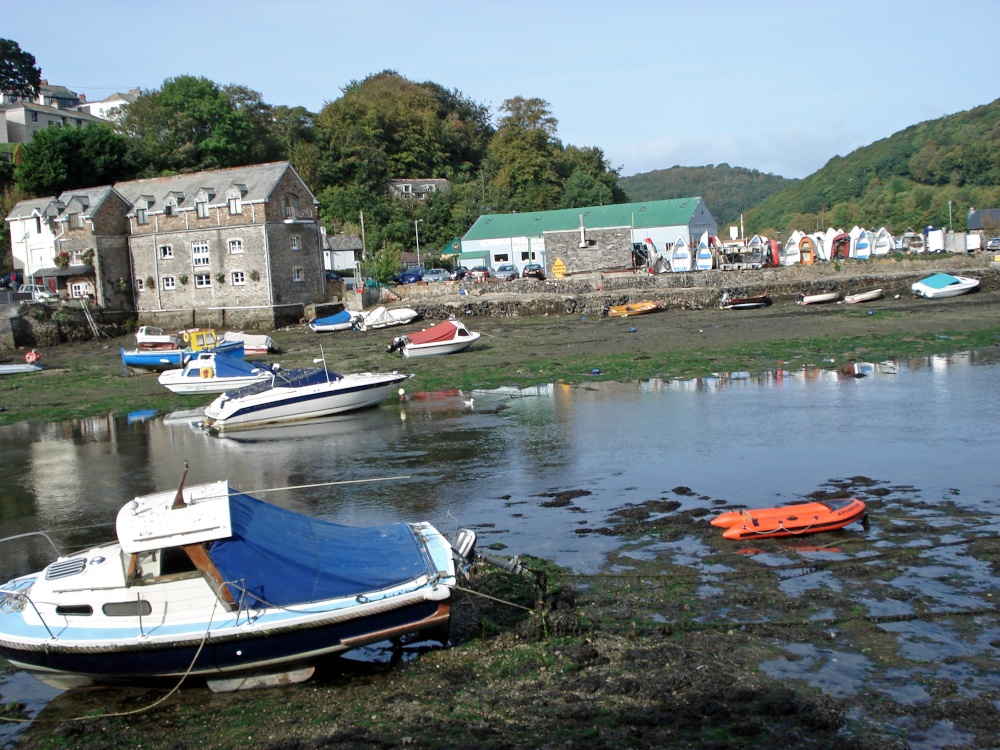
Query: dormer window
[235,206]
[76,221]
[168,210]
[201,209]
[141,216]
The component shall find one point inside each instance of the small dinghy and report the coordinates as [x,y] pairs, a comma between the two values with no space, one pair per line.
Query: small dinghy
[636,308]
[815,299]
[726,302]
[384,317]
[342,321]
[852,299]
[447,337]
[791,520]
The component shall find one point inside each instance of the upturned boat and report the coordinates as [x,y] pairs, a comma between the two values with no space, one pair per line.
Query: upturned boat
[790,520]
[210,582]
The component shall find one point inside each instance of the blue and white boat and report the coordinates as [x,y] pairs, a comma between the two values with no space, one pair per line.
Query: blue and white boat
[293,395]
[211,582]
[215,372]
[342,321]
[194,340]
[943,285]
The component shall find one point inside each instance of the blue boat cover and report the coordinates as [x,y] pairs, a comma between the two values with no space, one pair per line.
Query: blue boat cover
[939,281]
[287,379]
[285,558]
[227,366]
[344,316]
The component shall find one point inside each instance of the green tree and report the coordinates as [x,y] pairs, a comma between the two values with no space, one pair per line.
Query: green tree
[63,158]
[18,73]
[523,156]
[192,124]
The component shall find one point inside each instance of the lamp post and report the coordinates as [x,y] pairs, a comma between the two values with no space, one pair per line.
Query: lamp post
[949,217]
[416,231]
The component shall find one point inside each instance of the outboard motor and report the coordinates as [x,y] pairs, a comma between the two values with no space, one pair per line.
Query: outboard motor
[397,343]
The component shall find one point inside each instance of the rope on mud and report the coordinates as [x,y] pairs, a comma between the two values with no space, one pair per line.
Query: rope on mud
[494,598]
[154,704]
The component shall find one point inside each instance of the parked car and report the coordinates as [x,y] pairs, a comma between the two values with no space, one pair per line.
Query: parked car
[35,293]
[533,271]
[993,244]
[479,273]
[459,273]
[505,272]
[410,276]
[436,274]
[11,279]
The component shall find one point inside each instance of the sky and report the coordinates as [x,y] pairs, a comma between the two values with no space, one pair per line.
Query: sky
[780,86]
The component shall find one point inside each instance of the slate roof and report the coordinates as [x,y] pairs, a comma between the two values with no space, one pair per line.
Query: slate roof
[675,212]
[81,201]
[343,242]
[978,219]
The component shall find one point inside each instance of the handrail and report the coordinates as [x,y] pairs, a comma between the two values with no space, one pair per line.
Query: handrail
[34,533]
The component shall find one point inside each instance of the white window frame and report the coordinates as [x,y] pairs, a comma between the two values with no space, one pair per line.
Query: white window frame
[294,243]
[298,275]
[201,209]
[235,206]
[140,285]
[202,280]
[166,252]
[238,278]
[141,216]
[79,289]
[169,283]
[235,246]
[200,254]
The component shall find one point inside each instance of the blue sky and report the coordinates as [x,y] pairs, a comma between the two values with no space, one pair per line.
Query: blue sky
[777,86]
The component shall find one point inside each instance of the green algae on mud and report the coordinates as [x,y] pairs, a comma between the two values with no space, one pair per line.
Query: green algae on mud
[87,379]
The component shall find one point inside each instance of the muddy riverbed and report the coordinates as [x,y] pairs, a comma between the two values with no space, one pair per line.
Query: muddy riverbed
[885,636]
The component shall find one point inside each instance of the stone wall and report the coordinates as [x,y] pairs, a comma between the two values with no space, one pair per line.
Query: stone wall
[606,248]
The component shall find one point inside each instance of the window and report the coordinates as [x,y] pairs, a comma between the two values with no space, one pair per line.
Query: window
[295,243]
[38,225]
[201,208]
[76,221]
[239,278]
[406,189]
[202,280]
[501,258]
[290,206]
[168,210]
[166,251]
[34,117]
[525,255]
[140,285]
[298,275]
[78,290]
[127,609]
[141,217]
[235,206]
[199,253]
[235,247]
[169,283]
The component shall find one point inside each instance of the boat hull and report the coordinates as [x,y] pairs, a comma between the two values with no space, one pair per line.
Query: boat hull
[168,358]
[791,520]
[290,404]
[449,347]
[745,303]
[816,299]
[255,650]
[638,308]
[962,285]
[852,299]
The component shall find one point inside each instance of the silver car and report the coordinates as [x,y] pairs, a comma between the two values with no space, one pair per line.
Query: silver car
[436,274]
[506,272]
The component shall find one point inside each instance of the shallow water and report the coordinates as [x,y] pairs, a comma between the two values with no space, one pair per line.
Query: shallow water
[924,428]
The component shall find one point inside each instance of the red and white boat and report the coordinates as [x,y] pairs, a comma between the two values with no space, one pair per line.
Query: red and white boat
[447,337]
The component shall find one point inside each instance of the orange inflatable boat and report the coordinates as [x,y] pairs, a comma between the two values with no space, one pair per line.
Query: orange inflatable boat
[791,520]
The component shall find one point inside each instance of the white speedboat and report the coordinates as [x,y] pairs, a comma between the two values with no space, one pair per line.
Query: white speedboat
[293,395]
[210,582]
[943,285]
[384,317]
[873,294]
[447,337]
[213,372]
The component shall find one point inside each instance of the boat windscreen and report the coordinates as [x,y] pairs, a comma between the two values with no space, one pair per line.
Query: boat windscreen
[284,558]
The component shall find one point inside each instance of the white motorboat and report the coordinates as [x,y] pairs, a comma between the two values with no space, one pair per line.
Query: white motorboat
[293,395]
[213,372]
[207,581]
[384,317]
[873,294]
[815,299]
[253,343]
[447,337]
[943,285]
[341,321]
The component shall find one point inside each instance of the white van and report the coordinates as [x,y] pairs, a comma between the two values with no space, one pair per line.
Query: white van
[35,293]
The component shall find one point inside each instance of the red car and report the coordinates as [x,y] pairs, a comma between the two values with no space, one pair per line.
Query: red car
[479,273]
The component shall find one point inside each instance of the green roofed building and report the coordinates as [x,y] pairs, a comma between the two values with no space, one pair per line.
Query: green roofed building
[588,239]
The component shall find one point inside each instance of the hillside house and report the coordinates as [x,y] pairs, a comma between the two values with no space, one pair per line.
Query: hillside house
[418,189]
[242,242]
[21,120]
[585,239]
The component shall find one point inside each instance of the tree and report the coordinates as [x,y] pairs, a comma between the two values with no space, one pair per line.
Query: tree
[18,73]
[63,158]
[523,156]
[192,124]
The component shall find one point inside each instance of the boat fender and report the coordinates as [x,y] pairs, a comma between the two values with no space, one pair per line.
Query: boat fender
[186,336]
[206,372]
[33,356]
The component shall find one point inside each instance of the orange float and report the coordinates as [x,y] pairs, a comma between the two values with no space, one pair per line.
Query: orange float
[790,520]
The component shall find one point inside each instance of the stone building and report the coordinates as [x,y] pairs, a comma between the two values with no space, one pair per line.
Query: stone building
[585,239]
[76,244]
[240,246]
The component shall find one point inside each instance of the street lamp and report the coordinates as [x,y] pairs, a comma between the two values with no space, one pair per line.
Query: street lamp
[416,231]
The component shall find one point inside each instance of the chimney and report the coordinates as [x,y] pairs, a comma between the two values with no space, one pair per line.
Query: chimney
[83,98]
[44,82]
